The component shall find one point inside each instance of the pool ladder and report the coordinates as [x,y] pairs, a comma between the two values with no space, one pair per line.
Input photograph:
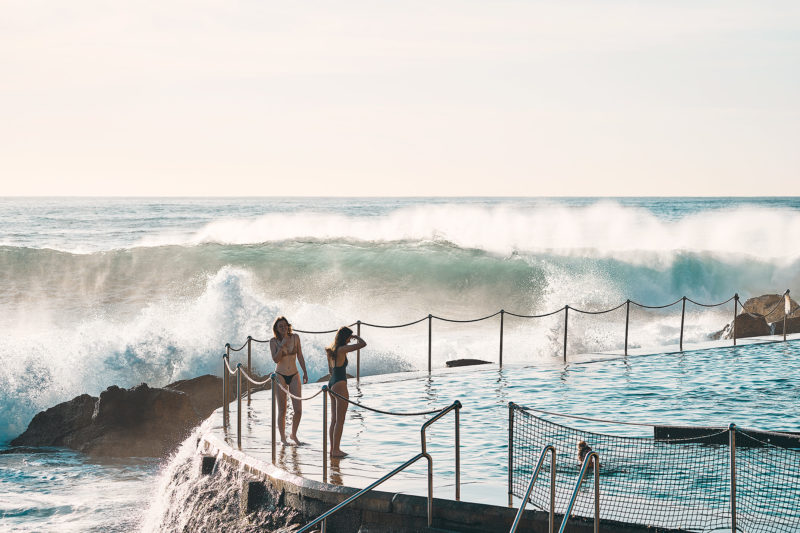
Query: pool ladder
[591,459]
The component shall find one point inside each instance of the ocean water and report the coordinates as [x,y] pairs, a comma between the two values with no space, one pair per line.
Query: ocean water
[122,291]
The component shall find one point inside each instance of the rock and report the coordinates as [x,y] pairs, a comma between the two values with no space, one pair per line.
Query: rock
[747,325]
[769,302]
[136,422]
[54,426]
[792,325]
[466,362]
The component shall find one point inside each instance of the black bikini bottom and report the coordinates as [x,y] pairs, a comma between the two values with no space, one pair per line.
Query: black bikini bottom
[288,379]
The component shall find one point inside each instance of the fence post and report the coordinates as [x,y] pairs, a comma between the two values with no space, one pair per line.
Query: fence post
[566,320]
[272,387]
[683,316]
[239,405]
[358,353]
[224,392]
[733,324]
[732,434]
[324,434]
[510,453]
[249,366]
[226,377]
[627,321]
[429,342]
[502,313]
[458,451]
[787,306]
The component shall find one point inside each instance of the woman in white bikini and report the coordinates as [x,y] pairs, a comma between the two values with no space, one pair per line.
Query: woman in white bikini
[286,352]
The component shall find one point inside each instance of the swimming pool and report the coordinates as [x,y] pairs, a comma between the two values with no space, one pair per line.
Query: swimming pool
[754,386]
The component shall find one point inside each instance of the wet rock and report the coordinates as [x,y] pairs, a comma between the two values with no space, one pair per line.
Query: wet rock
[466,362]
[747,325]
[792,325]
[772,303]
[136,422]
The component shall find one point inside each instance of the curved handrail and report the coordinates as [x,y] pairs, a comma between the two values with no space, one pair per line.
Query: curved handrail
[424,453]
[547,449]
[591,459]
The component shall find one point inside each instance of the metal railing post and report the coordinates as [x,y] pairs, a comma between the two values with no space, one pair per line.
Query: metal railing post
[458,451]
[594,459]
[324,434]
[358,353]
[552,451]
[787,306]
[732,436]
[239,405]
[249,366]
[733,324]
[272,386]
[430,317]
[627,321]
[502,314]
[226,377]
[566,320]
[224,392]
[683,316]
[510,453]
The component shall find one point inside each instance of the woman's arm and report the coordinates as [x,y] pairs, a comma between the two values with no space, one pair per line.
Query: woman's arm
[276,349]
[347,348]
[300,357]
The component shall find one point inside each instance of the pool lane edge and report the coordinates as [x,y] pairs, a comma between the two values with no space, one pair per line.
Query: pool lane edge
[386,512]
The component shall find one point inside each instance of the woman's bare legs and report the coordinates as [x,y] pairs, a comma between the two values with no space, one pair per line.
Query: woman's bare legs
[280,399]
[339,410]
[296,389]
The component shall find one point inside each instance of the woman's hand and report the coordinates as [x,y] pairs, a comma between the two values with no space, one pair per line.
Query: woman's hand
[305,378]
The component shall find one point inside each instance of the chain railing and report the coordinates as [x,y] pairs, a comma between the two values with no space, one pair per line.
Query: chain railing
[502,313]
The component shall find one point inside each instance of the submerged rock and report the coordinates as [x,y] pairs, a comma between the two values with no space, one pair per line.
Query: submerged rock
[136,422]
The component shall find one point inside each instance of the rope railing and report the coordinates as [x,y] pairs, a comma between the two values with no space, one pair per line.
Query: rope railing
[566,310]
[391,413]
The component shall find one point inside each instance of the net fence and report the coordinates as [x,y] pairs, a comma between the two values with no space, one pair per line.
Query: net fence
[664,482]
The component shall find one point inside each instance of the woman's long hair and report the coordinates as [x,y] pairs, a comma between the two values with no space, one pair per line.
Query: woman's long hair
[275,327]
[342,336]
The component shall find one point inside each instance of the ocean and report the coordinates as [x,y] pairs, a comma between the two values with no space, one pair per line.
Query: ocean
[102,291]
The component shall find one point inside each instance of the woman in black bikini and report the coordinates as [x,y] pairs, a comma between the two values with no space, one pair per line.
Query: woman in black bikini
[286,352]
[337,361]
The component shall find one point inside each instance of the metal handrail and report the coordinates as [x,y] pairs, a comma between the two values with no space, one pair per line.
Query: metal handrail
[547,449]
[324,516]
[591,458]
[455,405]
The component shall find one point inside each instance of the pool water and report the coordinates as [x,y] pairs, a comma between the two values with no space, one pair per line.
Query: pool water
[754,386]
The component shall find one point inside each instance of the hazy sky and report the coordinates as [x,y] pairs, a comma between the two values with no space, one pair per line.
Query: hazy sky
[399,97]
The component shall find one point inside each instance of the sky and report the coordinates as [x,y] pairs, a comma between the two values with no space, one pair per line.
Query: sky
[411,98]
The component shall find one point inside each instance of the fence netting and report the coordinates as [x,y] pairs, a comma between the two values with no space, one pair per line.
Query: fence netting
[666,483]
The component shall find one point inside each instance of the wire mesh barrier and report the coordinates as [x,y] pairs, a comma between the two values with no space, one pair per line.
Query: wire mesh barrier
[724,479]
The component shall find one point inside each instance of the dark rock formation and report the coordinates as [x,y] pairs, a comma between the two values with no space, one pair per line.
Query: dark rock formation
[136,422]
[792,325]
[757,314]
[747,325]
[466,362]
[760,305]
